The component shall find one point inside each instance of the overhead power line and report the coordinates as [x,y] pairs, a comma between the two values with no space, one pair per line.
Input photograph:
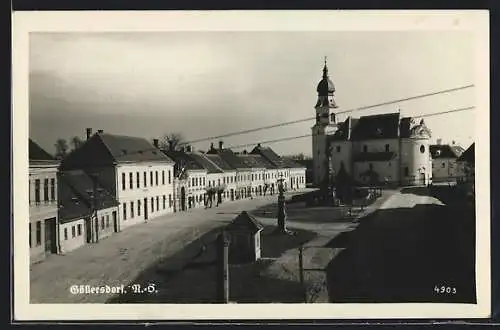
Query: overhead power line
[310,135]
[252,130]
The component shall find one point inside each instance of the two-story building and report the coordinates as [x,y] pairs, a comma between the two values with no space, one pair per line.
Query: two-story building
[137,174]
[214,187]
[282,171]
[87,211]
[191,180]
[297,177]
[229,175]
[445,166]
[258,166]
[43,222]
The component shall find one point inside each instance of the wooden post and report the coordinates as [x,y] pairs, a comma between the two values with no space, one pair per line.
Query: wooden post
[301,271]
[222,269]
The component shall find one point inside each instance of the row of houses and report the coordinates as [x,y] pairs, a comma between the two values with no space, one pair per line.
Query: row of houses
[112,182]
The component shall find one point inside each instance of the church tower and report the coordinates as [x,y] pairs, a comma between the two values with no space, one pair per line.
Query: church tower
[325,125]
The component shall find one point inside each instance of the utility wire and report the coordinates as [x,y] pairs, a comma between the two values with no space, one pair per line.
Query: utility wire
[340,112]
[310,135]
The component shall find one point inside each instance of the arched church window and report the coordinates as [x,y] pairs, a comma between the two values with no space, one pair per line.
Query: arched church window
[422,148]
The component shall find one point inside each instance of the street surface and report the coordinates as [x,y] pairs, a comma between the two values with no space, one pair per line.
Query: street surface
[120,258]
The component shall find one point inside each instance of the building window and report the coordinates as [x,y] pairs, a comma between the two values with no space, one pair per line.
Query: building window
[156,177]
[157,203]
[131,210]
[422,148]
[365,148]
[38,233]
[192,182]
[102,223]
[65,234]
[131,180]
[52,189]
[151,178]
[203,182]
[164,202]
[37,191]
[123,181]
[169,177]
[107,220]
[370,166]
[389,164]
[73,233]
[152,204]
[138,179]
[407,171]
[45,190]
[145,179]
[443,165]
[124,211]
[387,148]
[169,200]
[30,234]
[163,177]
[139,207]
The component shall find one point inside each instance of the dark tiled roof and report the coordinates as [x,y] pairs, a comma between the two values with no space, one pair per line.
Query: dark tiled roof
[74,199]
[384,126]
[344,130]
[184,160]
[219,162]
[458,150]
[131,149]
[269,155]
[205,163]
[443,151]
[468,155]
[374,156]
[39,156]
[245,222]
[232,159]
[292,163]
[256,161]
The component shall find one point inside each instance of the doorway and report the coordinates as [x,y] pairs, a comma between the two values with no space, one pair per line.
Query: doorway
[115,221]
[183,199]
[145,209]
[96,225]
[50,236]
[422,178]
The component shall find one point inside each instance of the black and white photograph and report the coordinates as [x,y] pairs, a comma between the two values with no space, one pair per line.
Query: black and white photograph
[321,164]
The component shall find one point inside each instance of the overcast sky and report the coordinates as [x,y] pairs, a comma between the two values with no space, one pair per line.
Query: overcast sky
[210,83]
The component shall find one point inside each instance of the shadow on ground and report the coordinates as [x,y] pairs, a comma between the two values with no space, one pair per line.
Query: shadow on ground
[190,276]
[402,255]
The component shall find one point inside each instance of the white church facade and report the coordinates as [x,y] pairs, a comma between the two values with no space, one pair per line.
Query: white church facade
[376,149]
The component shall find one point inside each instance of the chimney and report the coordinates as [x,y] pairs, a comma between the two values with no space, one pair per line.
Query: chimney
[212,146]
[100,131]
[439,141]
[258,145]
[89,133]
[221,145]
[156,143]
[188,148]
[170,145]
[453,142]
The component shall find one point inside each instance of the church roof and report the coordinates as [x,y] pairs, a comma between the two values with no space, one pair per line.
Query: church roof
[325,86]
[384,126]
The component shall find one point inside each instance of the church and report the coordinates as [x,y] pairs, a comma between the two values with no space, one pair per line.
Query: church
[370,150]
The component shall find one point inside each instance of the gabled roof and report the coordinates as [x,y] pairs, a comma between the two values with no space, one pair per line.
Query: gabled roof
[468,155]
[75,199]
[131,149]
[104,149]
[269,155]
[444,151]
[219,162]
[384,126]
[374,156]
[232,159]
[256,161]
[292,163]
[245,222]
[206,163]
[37,155]
[184,160]
[344,130]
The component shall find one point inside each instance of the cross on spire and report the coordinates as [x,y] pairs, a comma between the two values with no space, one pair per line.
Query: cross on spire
[325,69]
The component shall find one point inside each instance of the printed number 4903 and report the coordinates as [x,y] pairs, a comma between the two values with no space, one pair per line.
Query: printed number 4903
[445,289]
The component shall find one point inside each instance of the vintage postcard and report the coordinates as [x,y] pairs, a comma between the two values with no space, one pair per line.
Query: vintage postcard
[251,165]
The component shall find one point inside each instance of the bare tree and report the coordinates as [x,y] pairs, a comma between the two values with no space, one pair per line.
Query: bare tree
[171,140]
[76,142]
[61,148]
